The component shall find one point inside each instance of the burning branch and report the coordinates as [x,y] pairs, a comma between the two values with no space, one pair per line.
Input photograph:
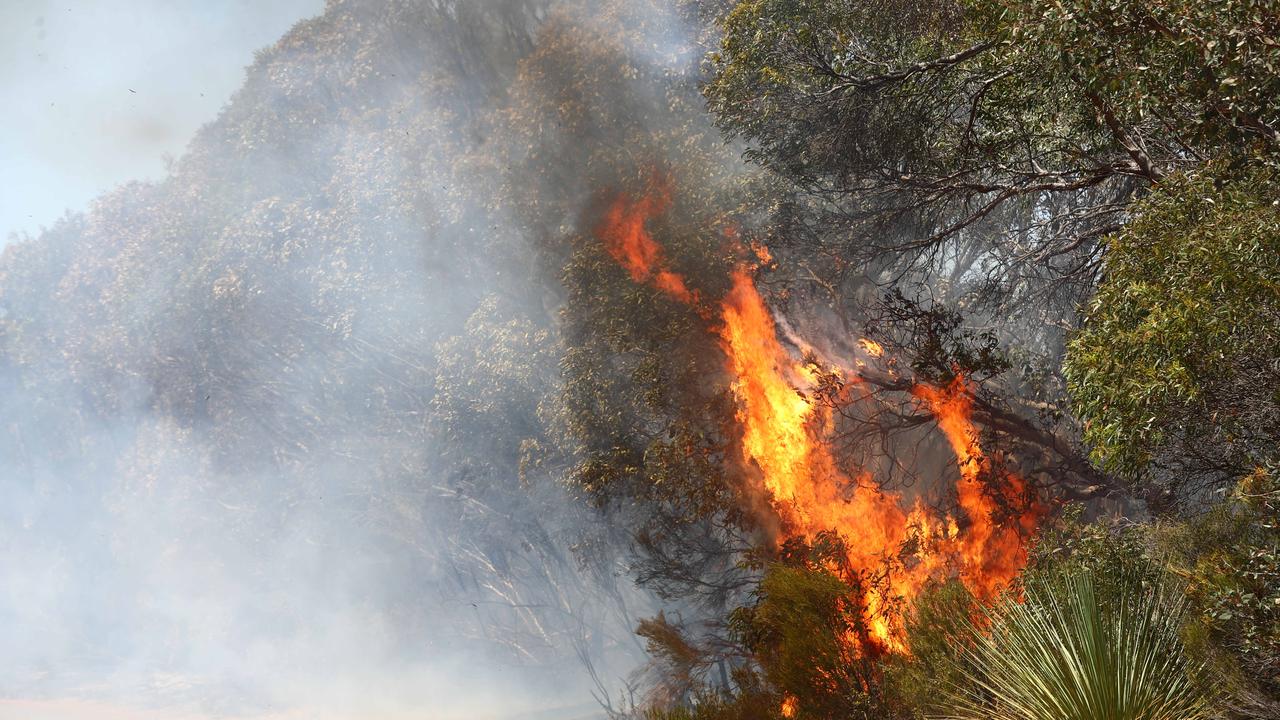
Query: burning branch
[784,445]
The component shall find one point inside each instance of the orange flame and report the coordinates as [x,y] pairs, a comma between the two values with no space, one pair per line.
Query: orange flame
[782,436]
[873,348]
[629,243]
[782,439]
[991,555]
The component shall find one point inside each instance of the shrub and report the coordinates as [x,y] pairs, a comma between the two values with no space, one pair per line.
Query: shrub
[1068,652]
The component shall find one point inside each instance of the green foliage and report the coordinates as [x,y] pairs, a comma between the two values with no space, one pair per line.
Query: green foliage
[1209,72]
[982,148]
[1065,651]
[948,87]
[1180,351]
[804,630]
[778,56]
[1230,558]
[942,627]
[936,339]
[938,631]
[1105,548]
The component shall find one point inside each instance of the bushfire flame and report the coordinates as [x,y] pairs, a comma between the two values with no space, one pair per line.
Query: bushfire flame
[783,442]
[627,240]
[991,555]
[873,348]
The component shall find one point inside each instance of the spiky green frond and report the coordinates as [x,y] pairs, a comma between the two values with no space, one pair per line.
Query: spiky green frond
[1068,653]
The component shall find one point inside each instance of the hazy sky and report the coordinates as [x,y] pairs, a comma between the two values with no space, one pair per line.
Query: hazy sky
[97,92]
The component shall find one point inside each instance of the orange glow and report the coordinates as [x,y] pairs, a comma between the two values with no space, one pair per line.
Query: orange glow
[873,348]
[762,253]
[628,242]
[990,556]
[782,435]
[788,707]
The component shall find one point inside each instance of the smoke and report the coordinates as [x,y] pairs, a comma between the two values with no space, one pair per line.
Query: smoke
[280,434]
[101,91]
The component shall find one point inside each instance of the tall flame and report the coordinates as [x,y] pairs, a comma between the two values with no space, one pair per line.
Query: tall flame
[991,555]
[782,440]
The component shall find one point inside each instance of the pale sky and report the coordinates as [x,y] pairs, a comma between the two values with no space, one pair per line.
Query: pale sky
[97,92]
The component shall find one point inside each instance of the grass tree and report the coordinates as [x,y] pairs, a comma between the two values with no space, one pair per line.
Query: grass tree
[1070,651]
